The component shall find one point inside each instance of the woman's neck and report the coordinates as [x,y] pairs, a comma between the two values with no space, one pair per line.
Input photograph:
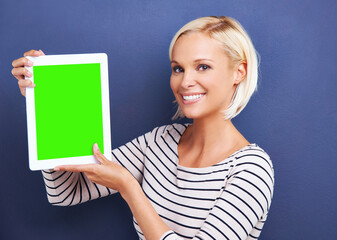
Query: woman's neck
[208,141]
[207,132]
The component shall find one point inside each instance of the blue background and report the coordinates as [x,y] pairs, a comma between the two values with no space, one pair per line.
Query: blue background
[293,116]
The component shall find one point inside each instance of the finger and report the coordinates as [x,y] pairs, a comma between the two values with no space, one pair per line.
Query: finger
[23,92]
[22,72]
[42,53]
[29,53]
[20,62]
[75,168]
[19,77]
[33,53]
[24,83]
[98,155]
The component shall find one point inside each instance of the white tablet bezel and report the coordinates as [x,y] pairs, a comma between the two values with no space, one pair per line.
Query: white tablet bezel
[102,59]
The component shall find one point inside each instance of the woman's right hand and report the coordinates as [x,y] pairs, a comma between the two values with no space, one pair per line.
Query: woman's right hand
[20,72]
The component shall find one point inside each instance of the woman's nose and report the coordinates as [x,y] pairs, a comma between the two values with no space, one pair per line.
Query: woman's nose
[188,80]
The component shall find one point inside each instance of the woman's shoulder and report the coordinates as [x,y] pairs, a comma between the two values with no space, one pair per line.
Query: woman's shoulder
[253,156]
[174,130]
[251,149]
[170,132]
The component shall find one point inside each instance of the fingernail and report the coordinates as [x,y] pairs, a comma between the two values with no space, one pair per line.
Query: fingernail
[56,168]
[96,147]
[33,85]
[29,74]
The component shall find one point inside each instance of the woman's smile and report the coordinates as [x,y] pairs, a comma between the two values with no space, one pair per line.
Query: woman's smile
[190,98]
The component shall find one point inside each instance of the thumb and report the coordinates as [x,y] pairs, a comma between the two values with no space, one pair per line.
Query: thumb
[98,155]
[36,53]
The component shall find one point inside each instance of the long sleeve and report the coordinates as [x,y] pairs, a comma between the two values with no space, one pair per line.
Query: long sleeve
[241,209]
[70,188]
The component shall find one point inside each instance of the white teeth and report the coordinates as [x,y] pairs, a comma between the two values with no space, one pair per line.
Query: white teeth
[192,97]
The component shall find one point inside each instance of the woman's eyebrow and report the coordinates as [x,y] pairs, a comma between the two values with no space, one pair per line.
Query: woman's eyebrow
[203,59]
[197,60]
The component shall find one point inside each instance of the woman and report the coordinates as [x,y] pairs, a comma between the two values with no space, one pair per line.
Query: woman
[194,181]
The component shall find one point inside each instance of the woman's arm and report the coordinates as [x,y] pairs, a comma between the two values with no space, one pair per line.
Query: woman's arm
[116,177]
[69,188]
[242,208]
[239,211]
[151,224]
[63,188]
[66,188]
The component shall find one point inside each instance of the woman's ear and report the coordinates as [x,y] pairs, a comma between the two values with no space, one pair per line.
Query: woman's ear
[240,72]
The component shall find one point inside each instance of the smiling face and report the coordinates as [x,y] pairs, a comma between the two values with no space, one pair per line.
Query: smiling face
[203,80]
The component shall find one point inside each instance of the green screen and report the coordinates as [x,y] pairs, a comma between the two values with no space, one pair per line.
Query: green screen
[68,110]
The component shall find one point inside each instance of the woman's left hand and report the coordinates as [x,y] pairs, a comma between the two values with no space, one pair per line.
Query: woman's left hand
[107,173]
[117,177]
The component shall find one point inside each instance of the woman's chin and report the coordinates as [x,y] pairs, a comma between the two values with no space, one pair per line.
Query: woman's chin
[192,115]
[196,115]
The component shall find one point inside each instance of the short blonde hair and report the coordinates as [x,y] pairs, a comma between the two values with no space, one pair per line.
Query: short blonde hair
[238,48]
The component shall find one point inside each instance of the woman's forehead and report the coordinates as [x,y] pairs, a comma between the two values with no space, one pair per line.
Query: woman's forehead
[196,45]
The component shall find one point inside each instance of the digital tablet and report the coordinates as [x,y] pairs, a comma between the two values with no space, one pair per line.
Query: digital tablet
[68,110]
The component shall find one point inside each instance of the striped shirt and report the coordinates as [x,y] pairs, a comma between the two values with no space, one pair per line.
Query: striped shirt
[228,200]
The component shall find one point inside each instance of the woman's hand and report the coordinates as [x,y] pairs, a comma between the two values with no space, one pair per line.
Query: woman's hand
[116,177]
[107,173]
[20,72]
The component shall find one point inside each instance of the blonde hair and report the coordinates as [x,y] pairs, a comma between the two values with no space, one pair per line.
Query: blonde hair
[238,48]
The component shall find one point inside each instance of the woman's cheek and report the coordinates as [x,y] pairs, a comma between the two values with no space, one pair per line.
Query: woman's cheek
[173,85]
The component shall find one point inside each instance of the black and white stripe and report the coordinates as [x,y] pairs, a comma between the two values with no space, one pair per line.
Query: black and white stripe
[229,200]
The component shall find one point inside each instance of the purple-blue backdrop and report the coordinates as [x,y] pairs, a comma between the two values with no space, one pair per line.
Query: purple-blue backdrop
[293,116]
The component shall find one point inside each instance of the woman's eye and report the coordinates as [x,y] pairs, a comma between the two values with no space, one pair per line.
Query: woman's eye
[177,69]
[203,67]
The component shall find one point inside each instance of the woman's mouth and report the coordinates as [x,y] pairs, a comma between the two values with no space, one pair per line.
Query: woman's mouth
[192,98]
